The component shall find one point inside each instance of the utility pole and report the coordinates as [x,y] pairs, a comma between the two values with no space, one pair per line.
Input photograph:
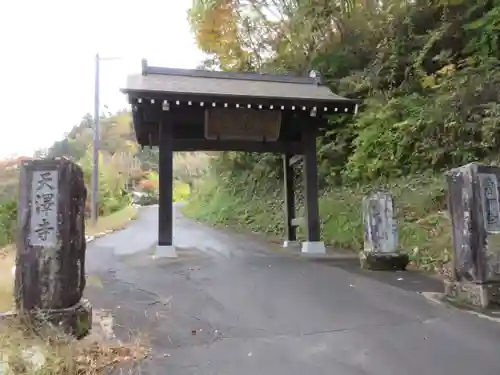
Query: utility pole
[96,139]
[95,146]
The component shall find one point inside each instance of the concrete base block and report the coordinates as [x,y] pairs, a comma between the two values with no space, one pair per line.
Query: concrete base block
[165,252]
[313,247]
[384,262]
[293,244]
[75,320]
[478,295]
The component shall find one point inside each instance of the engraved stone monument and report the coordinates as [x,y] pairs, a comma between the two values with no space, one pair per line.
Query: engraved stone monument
[473,200]
[381,251]
[50,274]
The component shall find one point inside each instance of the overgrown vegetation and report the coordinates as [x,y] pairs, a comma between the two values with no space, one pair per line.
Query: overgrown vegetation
[428,73]
[24,351]
[8,215]
[423,227]
[122,167]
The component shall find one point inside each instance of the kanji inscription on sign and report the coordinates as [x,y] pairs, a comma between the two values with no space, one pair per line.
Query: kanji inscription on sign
[242,124]
[380,228]
[489,199]
[44,194]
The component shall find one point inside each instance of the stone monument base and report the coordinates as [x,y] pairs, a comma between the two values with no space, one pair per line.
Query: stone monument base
[165,251]
[75,320]
[291,244]
[313,247]
[383,262]
[477,295]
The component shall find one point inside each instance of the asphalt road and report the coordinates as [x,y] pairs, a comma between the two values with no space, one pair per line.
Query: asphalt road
[231,304]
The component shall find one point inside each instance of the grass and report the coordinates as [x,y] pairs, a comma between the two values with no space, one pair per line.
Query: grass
[54,353]
[115,221]
[7,261]
[424,229]
[61,354]
[181,191]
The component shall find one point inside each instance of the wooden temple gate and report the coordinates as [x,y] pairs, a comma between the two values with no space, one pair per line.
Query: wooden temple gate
[196,110]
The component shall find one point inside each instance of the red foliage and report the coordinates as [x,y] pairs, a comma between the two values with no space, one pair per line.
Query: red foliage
[147,186]
[13,162]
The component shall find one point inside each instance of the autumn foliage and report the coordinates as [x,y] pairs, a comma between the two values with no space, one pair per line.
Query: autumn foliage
[148,186]
[427,74]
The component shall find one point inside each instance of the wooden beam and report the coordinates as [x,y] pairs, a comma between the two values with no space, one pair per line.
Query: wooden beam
[230,145]
[165,174]
[311,184]
[341,106]
[289,190]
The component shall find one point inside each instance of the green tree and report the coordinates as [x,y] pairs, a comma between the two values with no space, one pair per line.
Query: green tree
[112,195]
[427,71]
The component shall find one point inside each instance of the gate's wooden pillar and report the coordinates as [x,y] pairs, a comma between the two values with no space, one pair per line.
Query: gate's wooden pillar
[165,213]
[313,243]
[289,191]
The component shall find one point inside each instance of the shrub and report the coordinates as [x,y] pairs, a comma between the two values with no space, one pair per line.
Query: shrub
[8,217]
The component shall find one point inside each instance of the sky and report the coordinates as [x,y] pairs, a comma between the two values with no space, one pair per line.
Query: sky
[47,59]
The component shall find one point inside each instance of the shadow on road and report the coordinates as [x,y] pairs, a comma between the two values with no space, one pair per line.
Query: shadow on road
[413,281]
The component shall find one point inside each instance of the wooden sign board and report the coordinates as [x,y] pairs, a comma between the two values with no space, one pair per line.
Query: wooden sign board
[242,124]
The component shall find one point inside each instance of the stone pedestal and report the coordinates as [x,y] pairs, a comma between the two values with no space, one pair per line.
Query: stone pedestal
[50,261]
[384,262]
[477,295]
[475,216]
[291,244]
[166,251]
[313,247]
[75,320]
[381,250]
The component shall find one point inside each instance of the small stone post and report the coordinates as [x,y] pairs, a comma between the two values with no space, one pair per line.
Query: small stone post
[381,251]
[50,262]
[473,203]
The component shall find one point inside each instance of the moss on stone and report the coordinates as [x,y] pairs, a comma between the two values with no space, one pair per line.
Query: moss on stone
[384,262]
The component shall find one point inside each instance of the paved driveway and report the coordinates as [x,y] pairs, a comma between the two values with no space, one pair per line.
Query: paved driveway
[232,304]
